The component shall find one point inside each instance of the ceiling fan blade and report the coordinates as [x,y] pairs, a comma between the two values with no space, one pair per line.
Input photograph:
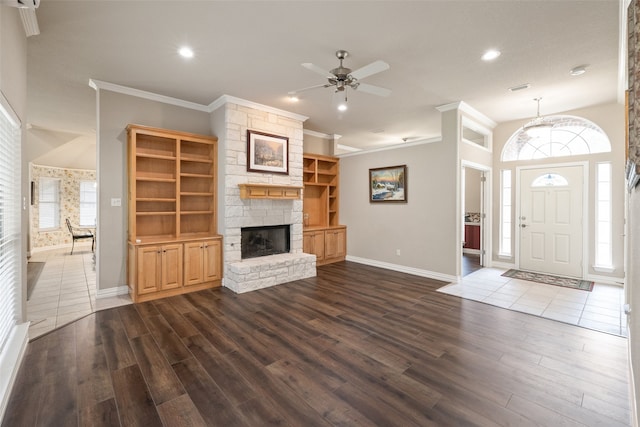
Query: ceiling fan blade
[312,67]
[367,70]
[374,90]
[293,92]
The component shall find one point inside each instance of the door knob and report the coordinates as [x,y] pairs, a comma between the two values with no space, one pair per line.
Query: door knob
[523,225]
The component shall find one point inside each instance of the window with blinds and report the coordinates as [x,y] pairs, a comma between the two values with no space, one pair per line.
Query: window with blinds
[49,203]
[88,203]
[9,221]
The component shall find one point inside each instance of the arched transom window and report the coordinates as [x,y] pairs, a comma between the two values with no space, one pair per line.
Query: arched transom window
[559,136]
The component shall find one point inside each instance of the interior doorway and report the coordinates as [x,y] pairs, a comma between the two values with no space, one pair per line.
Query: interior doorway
[474,218]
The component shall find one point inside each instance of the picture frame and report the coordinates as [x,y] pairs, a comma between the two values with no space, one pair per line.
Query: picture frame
[388,184]
[267,153]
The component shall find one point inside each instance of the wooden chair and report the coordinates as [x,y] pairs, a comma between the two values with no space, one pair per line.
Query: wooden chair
[79,234]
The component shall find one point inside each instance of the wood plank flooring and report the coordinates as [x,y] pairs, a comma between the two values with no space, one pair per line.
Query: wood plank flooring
[355,346]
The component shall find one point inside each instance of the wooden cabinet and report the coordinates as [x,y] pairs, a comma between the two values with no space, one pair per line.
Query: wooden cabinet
[328,245]
[172,201]
[323,235]
[313,243]
[158,268]
[202,262]
[471,236]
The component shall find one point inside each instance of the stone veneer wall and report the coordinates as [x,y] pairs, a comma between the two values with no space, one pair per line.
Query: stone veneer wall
[69,203]
[256,273]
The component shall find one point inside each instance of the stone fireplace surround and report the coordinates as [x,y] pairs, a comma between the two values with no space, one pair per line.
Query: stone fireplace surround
[230,122]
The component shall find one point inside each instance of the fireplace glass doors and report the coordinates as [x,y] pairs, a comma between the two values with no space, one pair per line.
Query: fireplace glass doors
[263,241]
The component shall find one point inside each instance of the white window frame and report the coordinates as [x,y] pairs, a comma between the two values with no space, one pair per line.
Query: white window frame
[88,219]
[506,203]
[10,248]
[42,185]
[603,235]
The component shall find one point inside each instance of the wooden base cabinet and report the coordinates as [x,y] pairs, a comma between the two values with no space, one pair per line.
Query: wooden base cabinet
[202,262]
[162,270]
[327,244]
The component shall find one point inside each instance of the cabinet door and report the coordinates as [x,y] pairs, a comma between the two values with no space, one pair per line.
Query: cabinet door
[212,260]
[313,243]
[193,263]
[171,267]
[148,266]
[335,243]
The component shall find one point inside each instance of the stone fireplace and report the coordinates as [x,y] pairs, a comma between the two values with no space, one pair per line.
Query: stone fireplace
[230,122]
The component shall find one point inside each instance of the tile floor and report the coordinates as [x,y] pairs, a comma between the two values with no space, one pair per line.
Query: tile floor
[601,309]
[66,290]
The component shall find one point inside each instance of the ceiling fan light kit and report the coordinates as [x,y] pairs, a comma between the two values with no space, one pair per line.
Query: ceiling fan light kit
[341,78]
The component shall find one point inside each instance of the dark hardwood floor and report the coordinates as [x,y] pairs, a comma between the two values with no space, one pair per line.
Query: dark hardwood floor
[470,263]
[356,345]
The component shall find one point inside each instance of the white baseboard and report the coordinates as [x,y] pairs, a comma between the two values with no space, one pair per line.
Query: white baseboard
[632,383]
[471,251]
[403,269]
[605,279]
[112,292]
[10,361]
[501,264]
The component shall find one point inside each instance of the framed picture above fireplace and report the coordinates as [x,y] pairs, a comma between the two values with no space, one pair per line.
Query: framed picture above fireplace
[267,153]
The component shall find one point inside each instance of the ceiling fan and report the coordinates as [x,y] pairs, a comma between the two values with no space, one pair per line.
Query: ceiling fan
[342,77]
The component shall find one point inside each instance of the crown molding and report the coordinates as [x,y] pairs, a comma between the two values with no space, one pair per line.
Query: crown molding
[469,111]
[29,21]
[112,87]
[393,147]
[228,99]
[333,136]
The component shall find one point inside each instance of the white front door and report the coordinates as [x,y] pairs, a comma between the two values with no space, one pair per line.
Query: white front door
[550,222]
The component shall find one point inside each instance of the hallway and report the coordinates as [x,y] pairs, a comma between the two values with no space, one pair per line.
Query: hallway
[65,290]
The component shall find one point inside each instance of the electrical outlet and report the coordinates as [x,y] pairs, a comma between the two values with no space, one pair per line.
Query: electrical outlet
[398,252]
[116,202]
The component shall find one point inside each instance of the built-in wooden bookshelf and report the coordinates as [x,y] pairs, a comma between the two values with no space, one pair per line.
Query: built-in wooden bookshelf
[323,234]
[172,200]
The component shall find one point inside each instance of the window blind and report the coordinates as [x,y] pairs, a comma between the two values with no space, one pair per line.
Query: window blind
[49,203]
[9,221]
[88,203]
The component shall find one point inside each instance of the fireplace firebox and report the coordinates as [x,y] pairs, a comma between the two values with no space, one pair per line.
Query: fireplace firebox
[263,241]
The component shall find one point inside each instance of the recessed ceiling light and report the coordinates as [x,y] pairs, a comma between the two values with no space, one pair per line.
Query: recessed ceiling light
[490,55]
[578,71]
[186,52]
[342,106]
[293,97]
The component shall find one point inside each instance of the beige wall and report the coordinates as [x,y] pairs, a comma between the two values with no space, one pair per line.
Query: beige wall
[317,145]
[115,112]
[610,117]
[69,203]
[424,228]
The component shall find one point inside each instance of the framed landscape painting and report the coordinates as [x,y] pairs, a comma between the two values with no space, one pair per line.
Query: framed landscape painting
[388,184]
[267,153]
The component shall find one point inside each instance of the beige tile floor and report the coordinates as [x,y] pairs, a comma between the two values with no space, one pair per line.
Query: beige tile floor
[601,309]
[65,290]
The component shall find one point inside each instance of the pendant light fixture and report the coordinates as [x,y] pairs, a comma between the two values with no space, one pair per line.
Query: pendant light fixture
[537,127]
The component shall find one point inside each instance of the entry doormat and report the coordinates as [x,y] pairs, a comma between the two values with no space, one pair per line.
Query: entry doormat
[550,279]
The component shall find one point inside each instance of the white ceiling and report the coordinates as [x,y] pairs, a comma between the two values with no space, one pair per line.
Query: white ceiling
[253,50]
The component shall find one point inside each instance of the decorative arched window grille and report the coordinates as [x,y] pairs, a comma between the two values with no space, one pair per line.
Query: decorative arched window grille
[560,136]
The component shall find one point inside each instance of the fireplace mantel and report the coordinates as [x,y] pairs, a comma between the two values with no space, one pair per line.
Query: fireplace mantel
[270,191]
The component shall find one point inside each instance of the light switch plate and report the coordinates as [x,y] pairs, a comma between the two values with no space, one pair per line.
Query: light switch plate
[116,202]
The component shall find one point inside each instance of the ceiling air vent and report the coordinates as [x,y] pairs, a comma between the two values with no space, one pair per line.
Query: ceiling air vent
[22,4]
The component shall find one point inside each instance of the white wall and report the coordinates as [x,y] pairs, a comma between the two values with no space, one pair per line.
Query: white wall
[115,112]
[472,190]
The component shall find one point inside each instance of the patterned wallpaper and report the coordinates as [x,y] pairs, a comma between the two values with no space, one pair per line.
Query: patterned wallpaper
[69,203]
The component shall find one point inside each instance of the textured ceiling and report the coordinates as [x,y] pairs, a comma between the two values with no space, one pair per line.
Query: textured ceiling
[253,50]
